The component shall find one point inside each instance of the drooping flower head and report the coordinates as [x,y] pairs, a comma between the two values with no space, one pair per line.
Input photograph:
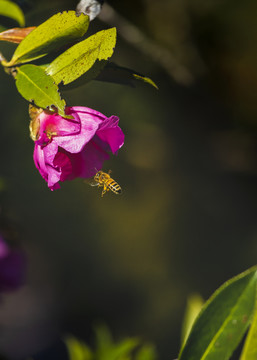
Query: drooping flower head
[69,148]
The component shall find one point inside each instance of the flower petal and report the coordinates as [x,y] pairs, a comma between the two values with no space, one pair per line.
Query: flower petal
[43,157]
[39,159]
[78,147]
[89,161]
[54,176]
[85,111]
[111,133]
[89,123]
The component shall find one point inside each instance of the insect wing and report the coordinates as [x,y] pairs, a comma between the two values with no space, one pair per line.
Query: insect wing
[91,181]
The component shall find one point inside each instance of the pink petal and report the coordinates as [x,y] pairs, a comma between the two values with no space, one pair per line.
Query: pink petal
[39,159]
[89,161]
[74,143]
[113,136]
[111,133]
[85,111]
[78,147]
[54,177]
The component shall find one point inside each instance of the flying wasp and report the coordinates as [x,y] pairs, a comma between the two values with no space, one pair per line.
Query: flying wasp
[104,180]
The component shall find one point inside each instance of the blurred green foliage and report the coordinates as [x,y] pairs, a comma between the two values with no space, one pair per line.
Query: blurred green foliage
[106,349]
[11,10]
[186,220]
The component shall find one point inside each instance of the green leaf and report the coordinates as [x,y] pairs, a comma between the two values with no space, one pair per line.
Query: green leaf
[90,75]
[79,58]
[250,347]
[106,349]
[36,86]
[52,34]
[145,79]
[123,349]
[194,305]
[223,320]
[147,352]
[121,75]
[77,350]
[11,10]
[104,339]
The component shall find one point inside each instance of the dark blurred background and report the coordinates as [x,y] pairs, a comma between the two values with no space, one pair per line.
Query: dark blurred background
[186,221]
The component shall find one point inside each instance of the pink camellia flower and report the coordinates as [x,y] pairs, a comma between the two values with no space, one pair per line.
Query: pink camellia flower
[69,148]
[12,267]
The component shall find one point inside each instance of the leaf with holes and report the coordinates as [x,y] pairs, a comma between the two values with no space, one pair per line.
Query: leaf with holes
[79,58]
[223,320]
[36,86]
[57,31]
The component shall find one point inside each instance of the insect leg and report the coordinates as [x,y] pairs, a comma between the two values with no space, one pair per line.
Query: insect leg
[104,190]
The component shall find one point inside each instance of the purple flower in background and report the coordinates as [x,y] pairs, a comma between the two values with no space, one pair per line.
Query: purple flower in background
[69,148]
[12,267]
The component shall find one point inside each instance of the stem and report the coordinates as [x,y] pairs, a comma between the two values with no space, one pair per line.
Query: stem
[2,58]
[9,70]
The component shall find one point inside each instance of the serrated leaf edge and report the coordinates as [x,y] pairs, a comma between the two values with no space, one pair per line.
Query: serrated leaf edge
[50,71]
[18,60]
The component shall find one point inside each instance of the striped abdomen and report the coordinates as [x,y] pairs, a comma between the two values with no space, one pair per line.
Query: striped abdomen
[114,186]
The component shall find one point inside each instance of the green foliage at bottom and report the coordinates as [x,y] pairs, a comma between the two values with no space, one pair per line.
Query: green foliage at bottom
[223,321]
[107,349]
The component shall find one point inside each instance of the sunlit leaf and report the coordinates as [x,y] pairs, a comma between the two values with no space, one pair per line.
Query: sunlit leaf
[103,338]
[36,86]
[123,348]
[77,350]
[147,352]
[12,10]
[79,58]
[223,320]
[51,35]
[250,347]
[145,79]
[15,35]
[90,75]
[194,305]
[106,349]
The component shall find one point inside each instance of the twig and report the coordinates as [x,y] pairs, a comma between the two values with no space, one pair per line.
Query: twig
[2,58]
[138,39]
